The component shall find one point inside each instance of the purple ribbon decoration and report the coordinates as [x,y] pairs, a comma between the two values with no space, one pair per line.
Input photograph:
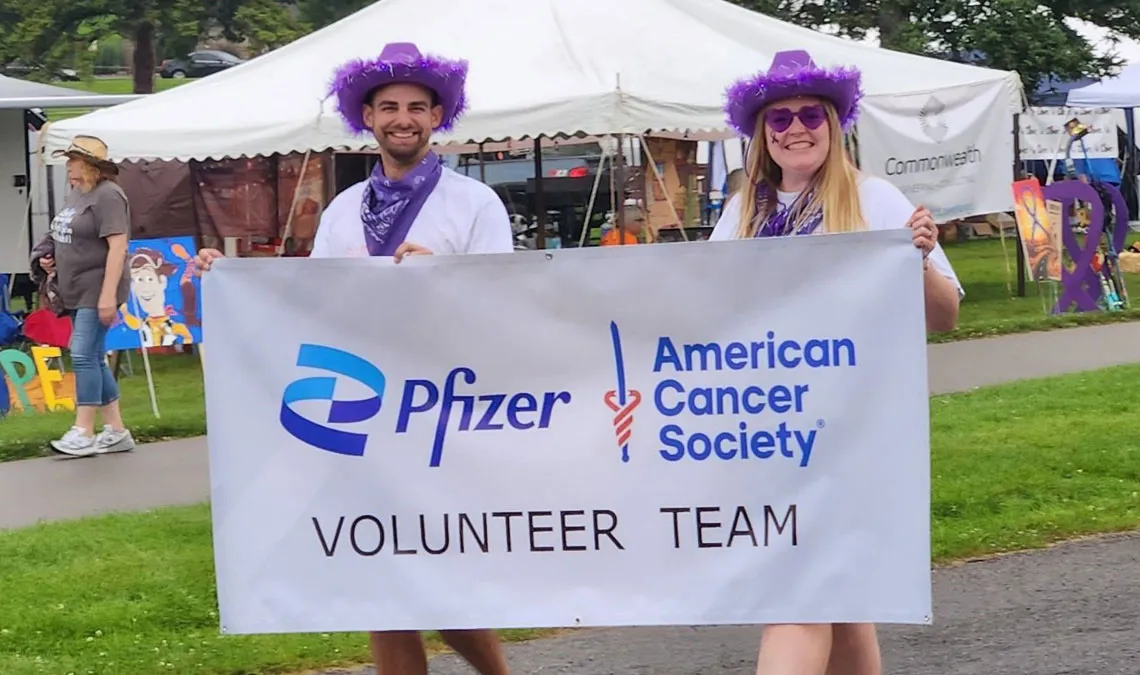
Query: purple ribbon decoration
[1081,285]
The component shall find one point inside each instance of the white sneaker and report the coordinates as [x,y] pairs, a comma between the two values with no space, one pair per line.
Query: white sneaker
[110,440]
[76,443]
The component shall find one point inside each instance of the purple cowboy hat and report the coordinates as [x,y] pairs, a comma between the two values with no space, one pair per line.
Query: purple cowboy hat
[400,62]
[793,73]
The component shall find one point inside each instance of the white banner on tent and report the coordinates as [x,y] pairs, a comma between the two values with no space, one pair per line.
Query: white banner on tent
[503,441]
[1043,133]
[951,151]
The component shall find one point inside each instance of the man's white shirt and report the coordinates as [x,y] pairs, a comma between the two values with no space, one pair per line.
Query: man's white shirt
[461,215]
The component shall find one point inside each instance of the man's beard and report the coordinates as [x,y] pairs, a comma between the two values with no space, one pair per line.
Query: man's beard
[405,156]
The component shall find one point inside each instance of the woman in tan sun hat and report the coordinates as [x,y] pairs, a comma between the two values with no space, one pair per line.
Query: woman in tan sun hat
[88,253]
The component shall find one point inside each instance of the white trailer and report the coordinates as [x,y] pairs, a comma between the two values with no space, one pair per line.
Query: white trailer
[31,191]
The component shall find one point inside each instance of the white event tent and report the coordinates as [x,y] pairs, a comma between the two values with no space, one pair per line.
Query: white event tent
[1122,91]
[538,67]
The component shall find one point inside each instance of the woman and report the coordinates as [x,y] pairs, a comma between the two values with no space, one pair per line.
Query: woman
[88,254]
[800,181]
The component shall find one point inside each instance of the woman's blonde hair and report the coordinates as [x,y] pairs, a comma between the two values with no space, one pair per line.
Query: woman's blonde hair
[836,185]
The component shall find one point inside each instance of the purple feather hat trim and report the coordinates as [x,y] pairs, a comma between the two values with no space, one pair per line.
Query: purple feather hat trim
[746,97]
[354,79]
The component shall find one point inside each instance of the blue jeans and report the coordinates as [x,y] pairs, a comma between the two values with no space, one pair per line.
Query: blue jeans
[94,384]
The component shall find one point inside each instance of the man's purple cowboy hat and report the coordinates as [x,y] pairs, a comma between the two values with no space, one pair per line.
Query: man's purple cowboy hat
[793,73]
[400,62]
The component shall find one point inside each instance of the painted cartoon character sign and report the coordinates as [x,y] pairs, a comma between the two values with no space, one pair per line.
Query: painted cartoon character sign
[164,306]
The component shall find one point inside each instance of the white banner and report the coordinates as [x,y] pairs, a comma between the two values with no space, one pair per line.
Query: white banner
[1043,133]
[951,151]
[544,439]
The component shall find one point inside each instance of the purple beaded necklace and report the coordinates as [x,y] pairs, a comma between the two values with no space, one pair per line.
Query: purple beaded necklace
[780,222]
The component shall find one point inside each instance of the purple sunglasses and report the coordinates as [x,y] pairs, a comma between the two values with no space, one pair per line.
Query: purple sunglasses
[812,116]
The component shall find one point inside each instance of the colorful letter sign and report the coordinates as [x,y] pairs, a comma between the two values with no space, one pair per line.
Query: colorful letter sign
[33,384]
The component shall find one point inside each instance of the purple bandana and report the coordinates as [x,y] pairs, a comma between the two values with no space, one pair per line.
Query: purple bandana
[389,207]
[778,224]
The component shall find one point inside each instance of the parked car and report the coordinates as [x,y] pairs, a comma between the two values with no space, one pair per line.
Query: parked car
[198,64]
[17,69]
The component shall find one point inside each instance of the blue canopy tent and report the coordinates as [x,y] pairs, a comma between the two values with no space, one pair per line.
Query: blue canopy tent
[1053,92]
[1121,91]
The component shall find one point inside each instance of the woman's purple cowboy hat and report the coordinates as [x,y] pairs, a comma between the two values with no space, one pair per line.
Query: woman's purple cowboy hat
[400,62]
[793,73]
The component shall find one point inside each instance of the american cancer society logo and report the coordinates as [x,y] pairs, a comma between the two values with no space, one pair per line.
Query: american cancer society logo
[718,401]
[746,390]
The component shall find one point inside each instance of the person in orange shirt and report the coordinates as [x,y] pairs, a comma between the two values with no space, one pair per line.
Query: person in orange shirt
[634,224]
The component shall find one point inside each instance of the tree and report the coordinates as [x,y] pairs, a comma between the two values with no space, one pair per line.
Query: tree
[320,13]
[27,37]
[267,24]
[1027,36]
[50,31]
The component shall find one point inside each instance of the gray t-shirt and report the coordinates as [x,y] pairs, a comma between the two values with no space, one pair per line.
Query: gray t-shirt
[80,230]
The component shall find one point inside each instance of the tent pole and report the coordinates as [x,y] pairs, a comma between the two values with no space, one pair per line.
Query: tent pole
[664,188]
[619,168]
[1130,163]
[1017,177]
[293,204]
[593,199]
[539,197]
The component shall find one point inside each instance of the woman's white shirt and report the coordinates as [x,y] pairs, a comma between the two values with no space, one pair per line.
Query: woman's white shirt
[884,207]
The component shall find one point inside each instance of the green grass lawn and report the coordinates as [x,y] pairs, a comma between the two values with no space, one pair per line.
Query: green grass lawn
[134,594]
[991,305]
[181,404]
[106,85]
[1027,463]
[1013,467]
[124,85]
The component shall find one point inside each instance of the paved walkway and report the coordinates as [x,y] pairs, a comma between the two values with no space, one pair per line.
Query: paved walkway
[959,366]
[173,473]
[1073,609]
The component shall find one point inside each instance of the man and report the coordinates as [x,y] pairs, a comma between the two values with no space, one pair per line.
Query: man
[410,205]
[634,224]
